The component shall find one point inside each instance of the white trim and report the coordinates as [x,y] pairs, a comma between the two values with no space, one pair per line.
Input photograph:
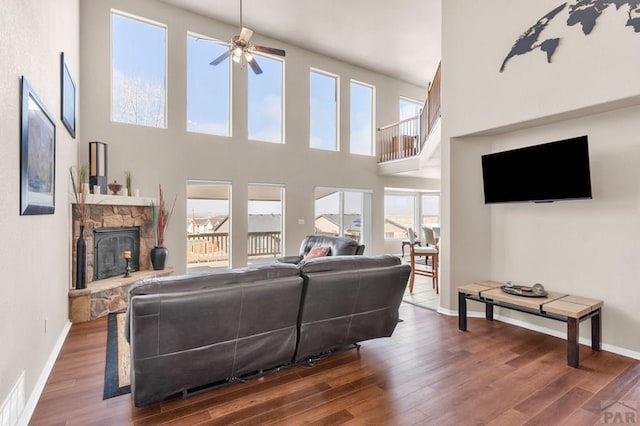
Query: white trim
[25,417]
[544,330]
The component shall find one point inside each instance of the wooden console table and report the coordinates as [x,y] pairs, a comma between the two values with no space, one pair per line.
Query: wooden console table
[558,306]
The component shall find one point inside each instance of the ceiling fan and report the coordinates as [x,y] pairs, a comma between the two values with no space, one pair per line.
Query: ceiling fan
[240,47]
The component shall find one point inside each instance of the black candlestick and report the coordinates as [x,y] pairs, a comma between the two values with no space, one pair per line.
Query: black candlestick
[127,269]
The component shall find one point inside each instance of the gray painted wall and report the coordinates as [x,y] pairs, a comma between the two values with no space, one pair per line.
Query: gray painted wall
[35,251]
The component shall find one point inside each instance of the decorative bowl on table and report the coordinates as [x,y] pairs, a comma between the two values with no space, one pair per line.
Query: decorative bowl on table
[115,187]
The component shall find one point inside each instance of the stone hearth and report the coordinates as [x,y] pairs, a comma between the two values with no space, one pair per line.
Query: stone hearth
[105,296]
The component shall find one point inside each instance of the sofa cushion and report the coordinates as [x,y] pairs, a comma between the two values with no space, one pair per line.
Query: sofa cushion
[213,279]
[346,263]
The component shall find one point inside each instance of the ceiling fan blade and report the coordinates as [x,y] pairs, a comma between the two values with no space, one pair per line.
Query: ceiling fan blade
[245,35]
[269,50]
[254,66]
[221,58]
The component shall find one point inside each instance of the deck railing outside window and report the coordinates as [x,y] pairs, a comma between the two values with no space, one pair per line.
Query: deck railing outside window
[212,247]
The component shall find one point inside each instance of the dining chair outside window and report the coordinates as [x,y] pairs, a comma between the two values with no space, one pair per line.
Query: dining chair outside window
[430,250]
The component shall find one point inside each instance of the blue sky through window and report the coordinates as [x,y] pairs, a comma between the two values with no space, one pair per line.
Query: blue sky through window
[266,106]
[208,88]
[138,57]
[323,115]
[361,99]
[409,108]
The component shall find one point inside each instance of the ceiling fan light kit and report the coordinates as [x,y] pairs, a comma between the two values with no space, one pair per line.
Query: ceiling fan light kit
[241,47]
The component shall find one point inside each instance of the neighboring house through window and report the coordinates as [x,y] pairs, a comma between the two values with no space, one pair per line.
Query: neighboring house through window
[208,225]
[266,236]
[345,213]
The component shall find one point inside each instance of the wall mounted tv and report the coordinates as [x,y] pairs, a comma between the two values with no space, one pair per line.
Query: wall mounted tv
[539,173]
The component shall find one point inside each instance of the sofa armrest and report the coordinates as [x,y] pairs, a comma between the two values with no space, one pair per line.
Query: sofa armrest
[289,259]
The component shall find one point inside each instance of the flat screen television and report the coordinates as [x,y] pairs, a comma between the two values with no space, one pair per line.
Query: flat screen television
[540,173]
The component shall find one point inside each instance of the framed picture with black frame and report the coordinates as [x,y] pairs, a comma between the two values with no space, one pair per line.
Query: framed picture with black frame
[37,155]
[67,97]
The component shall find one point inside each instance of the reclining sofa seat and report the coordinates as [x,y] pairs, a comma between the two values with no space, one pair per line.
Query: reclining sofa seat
[349,299]
[195,330]
[338,246]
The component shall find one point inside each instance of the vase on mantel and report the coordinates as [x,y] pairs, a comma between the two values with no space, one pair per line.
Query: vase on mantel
[159,257]
[81,260]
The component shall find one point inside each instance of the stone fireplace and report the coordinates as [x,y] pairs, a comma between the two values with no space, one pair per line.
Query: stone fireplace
[118,216]
[114,217]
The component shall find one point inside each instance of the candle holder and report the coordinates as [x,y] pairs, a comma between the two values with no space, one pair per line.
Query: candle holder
[127,268]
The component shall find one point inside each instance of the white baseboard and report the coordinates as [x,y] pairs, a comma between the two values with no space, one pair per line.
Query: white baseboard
[30,407]
[545,330]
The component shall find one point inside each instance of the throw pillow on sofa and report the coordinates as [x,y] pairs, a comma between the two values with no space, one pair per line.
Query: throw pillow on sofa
[317,252]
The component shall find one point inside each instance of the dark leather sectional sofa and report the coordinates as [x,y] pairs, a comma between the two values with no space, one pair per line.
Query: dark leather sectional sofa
[189,331]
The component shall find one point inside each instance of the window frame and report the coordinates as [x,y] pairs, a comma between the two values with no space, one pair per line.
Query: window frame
[229,82]
[282,189]
[283,111]
[372,151]
[336,78]
[148,21]
[410,100]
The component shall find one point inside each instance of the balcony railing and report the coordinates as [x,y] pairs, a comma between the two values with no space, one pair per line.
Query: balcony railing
[407,137]
[214,247]
[399,140]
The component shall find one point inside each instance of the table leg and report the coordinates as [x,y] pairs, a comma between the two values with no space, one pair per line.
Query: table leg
[596,331]
[462,312]
[488,312]
[573,351]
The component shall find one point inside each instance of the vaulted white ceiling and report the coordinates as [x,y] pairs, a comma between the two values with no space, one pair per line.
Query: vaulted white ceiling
[398,38]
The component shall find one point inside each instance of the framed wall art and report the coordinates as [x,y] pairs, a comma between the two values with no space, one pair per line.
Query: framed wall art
[67,97]
[37,155]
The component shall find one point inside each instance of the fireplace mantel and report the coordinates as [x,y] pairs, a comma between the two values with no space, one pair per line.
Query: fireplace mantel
[119,200]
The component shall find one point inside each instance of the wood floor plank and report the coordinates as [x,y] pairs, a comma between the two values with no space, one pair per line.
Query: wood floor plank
[561,408]
[427,373]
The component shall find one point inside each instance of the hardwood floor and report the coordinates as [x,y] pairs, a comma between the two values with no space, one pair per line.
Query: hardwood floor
[428,373]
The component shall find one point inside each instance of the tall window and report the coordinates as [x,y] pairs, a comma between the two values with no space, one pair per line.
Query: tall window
[324,110]
[208,87]
[409,108]
[208,225]
[138,61]
[409,209]
[399,214]
[266,204]
[344,213]
[361,118]
[430,209]
[266,107]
